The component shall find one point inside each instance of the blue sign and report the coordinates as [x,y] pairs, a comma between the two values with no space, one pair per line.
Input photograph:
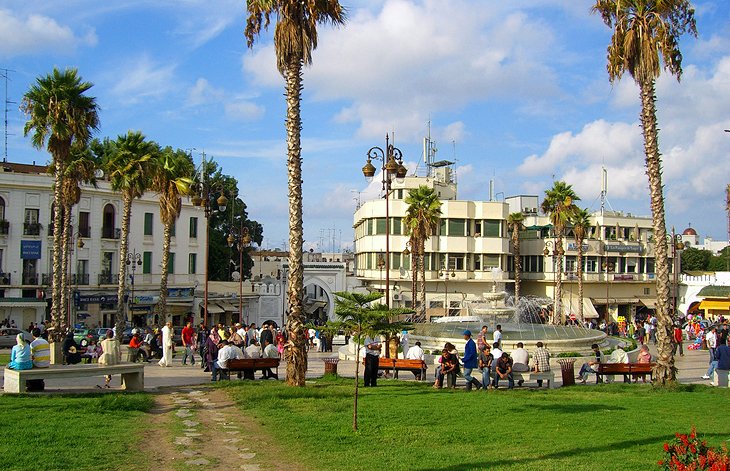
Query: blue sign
[30,249]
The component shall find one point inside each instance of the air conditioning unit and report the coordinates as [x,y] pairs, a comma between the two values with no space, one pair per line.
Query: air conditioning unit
[397,297]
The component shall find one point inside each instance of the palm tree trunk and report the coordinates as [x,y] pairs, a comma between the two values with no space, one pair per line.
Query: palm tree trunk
[518,266]
[414,280]
[422,269]
[162,304]
[579,271]
[66,249]
[559,313]
[296,367]
[56,306]
[665,371]
[123,250]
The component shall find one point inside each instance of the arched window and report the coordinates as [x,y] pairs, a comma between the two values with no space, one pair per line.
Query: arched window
[108,226]
[2,209]
[4,225]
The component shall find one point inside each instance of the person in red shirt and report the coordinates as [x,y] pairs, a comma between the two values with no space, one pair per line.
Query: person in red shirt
[188,341]
[134,343]
[677,334]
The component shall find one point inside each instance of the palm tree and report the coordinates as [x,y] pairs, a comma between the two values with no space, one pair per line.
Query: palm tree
[421,220]
[515,225]
[645,34]
[581,222]
[61,113]
[558,205]
[171,179]
[129,167]
[295,37]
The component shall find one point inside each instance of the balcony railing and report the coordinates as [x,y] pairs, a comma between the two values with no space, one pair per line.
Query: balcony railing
[31,228]
[108,278]
[5,279]
[111,233]
[30,279]
[80,279]
[4,227]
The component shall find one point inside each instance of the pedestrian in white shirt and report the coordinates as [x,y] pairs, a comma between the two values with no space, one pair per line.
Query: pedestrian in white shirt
[497,337]
[253,350]
[225,352]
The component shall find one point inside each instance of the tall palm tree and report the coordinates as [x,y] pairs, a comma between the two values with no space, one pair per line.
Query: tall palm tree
[581,222]
[59,112]
[295,37]
[129,167]
[558,205]
[421,220]
[172,178]
[515,225]
[645,34]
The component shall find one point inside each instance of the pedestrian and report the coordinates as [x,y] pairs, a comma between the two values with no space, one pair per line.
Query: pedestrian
[497,336]
[188,341]
[541,360]
[470,361]
[167,345]
[485,364]
[111,354]
[678,337]
[372,357]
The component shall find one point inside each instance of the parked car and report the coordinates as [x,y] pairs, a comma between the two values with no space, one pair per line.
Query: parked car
[8,336]
[84,336]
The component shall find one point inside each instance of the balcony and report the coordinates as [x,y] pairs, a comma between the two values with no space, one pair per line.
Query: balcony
[5,279]
[80,279]
[4,227]
[108,278]
[111,233]
[30,279]
[32,228]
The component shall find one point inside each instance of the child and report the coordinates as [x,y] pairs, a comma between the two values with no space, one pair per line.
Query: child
[93,351]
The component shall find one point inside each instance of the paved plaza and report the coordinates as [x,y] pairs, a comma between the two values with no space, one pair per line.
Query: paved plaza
[691,368]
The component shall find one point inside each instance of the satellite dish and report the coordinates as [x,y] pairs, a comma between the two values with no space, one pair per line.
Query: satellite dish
[99,173]
[235,276]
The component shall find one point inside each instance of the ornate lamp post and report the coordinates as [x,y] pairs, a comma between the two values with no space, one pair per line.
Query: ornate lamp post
[134,260]
[677,247]
[241,239]
[204,193]
[392,167]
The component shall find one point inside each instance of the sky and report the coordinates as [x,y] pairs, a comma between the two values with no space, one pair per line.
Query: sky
[516,92]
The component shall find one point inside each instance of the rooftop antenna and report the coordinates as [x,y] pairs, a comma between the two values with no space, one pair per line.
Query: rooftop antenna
[429,151]
[4,73]
[604,190]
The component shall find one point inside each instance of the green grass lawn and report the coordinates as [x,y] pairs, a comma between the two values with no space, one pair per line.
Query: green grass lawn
[90,432]
[4,359]
[407,425]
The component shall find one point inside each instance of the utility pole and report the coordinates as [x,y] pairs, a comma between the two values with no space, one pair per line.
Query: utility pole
[4,73]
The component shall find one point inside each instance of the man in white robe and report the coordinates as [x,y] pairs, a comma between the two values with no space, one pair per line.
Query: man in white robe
[167,334]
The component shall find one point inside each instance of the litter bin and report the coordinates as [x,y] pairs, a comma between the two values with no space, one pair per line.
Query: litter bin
[567,368]
[330,365]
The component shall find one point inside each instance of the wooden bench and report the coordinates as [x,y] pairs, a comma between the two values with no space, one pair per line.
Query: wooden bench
[399,364]
[606,369]
[132,375]
[548,376]
[252,364]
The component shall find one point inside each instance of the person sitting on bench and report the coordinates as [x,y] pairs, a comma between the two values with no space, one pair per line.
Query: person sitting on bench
[225,352]
[270,351]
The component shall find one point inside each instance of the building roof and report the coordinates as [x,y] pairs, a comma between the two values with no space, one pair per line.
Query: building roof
[23,168]
[712,291]
[689,232]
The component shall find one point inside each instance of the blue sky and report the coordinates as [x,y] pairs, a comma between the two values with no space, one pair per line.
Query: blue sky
[515,91]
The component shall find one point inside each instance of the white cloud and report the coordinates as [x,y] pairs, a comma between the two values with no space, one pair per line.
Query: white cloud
[143,79]
[37,33]
[203,93]
[244,110]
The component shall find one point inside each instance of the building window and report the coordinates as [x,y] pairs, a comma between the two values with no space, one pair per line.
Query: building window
[395,226]
[647,291]
[192,263]
[2,209]
[84,226]
[591,264]
[456,227]
[395,261]
[171,263]
[148,218]
[456,261]
[477,262]
[193,228]
[147,263]
[380,226]
[491,261]
[492,228]
[172,228]
[108,222]
[442,227]
[477,228]
[650,265]
[570,264]
[31,226]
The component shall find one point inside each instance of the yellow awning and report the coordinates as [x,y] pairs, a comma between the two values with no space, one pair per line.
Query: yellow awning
[715,305]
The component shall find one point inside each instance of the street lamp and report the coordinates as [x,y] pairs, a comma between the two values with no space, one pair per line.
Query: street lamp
[392,166]
[241,239]
[203,195]
[134,260]
[548,251]
[445,275]
[677,246]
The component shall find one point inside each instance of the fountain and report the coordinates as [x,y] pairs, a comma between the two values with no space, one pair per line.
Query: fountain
[520,323]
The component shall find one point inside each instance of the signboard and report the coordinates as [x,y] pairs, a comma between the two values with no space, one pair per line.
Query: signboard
[574,246]
[179,292]
[623,277]
[30,249]
[97,298]
[623,248]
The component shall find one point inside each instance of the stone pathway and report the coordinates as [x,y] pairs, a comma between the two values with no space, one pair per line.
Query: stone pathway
[209,432]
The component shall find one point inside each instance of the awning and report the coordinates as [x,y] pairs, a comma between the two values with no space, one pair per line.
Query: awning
[589,311]
[227,306]
[214,309]
[650,303]
[715,305]
[12,303]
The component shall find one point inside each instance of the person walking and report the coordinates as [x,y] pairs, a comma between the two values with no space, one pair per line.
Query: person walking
[166,345]
[372,357]
[470,361]
[188,341]
[711,340]
[678,337]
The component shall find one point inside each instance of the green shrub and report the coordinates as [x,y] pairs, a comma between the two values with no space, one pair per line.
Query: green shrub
[569,354]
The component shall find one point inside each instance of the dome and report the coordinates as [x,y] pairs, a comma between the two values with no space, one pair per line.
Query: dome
[689,232]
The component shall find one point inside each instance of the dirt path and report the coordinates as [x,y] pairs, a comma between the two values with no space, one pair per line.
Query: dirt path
[201,428]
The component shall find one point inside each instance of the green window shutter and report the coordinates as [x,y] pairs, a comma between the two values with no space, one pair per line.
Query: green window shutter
[192,263]
[193,228]
[147,263]
[148,218]
[492,228]
[171,263]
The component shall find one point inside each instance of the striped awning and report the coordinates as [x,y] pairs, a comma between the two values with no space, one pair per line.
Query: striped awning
[214,309]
